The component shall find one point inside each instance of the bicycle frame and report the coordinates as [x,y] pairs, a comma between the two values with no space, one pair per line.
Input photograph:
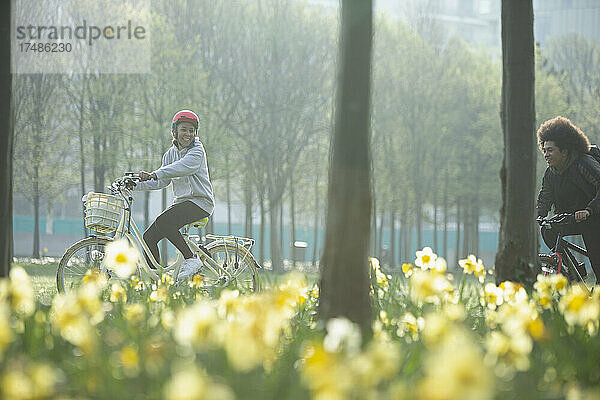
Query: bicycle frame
[128,228]
[564,246]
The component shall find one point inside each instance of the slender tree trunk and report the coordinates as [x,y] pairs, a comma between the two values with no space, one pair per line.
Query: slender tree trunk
[36,213]
[262,231]
[292,219]
[392,254]
[380,235]
[274,236]
[408,240]
[228,185]
[446,211]
[435,214]
[476,225]
[458,217]
[316,225]
[317,213]
[82,157]
[517,238]
[281,233]
[401,235]
[466,228]
[419,219]
[373,241]
[345,285]
[248,207]
[6,142]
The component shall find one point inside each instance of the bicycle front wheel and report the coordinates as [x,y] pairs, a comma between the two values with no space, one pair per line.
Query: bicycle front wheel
[85,255]
[237,267]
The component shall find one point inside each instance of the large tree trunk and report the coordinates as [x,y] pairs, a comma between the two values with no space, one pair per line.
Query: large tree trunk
[345,285]
[517,239]
[6,142]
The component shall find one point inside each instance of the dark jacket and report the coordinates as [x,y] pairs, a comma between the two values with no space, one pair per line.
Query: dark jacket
[576,188]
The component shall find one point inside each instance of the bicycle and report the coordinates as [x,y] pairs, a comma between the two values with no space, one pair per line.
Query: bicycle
[560,259]
[226,260]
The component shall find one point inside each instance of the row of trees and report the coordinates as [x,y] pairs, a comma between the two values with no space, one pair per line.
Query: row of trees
[261,76]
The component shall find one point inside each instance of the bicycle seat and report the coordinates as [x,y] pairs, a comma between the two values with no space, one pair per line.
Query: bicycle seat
[200,223]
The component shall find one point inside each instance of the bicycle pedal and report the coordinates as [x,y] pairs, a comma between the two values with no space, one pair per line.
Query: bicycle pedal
[548,270]
[223,280]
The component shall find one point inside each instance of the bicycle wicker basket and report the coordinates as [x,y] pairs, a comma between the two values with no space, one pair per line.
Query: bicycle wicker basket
[102,211]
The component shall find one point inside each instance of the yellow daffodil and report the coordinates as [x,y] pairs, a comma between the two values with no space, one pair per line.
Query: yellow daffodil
[18,291]
[511,350]
[69,316]
[134,313]
[425,258]
[342,335]
[118,294]
[129,359]
[121,258]
[410,326]
[559,282]
[430,288]
[160,294]
[326,373]
[513,292]
[15,384]
[187,384]
[494,296]
[407,270]
[578,306]
[455,369]
[473,265]
[196,325]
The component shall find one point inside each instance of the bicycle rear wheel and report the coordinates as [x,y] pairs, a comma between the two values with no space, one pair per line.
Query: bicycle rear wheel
[238,267]
[85,255]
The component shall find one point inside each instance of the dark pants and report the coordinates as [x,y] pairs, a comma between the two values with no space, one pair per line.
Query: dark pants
[589,229]
[167,225]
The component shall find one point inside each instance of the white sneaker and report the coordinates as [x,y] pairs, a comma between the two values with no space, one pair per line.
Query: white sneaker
[189,267]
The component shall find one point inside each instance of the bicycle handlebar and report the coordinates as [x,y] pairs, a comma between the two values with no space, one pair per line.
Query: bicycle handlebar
[559,219]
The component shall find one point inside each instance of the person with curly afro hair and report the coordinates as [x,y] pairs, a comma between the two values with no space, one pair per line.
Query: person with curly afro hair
[571,184]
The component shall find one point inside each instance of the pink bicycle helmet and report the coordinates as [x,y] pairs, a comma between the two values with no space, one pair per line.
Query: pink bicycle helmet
[184,116]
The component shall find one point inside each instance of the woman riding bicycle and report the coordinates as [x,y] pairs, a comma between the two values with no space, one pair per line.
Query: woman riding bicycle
[184,164]
[571,184]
